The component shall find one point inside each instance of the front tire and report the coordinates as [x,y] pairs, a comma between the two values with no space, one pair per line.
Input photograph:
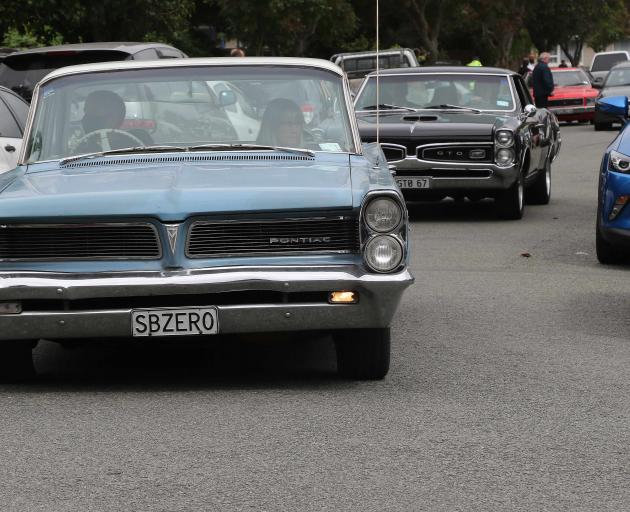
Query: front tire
[510,203]
[607,253]
[540,191]
[16,361]
[363,354]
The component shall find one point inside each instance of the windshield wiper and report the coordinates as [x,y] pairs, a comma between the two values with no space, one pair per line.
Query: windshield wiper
[248,147]
[135,149]
[446,106]
[389,106]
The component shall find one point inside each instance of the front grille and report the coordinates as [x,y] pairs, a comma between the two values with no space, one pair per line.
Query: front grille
[138,241]
[208,239]
[466,153]
[565,103]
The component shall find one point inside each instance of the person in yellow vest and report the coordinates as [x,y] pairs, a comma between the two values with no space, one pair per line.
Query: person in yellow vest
[475,62]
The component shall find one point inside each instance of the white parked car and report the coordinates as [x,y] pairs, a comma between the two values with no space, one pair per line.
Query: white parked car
[13,113]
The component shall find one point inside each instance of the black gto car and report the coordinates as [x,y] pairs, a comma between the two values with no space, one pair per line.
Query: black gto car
[461,132]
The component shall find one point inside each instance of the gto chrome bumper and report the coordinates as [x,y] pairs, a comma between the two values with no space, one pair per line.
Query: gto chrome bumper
[456,175]
[59,315]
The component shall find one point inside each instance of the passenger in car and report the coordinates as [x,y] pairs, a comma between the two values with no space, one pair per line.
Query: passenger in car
[282,124]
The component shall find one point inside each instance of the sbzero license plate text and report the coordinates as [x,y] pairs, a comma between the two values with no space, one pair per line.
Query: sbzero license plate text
[174,322]
[414,182]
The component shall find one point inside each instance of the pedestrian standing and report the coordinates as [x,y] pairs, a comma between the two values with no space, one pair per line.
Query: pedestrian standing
[237,52]
[542,81]
[563,64]
[532,62]
[524,69]
[475,62]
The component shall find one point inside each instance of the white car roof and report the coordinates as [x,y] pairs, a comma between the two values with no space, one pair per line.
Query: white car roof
[194,62]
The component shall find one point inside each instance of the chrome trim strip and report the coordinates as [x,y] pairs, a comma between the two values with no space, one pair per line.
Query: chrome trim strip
[156,232]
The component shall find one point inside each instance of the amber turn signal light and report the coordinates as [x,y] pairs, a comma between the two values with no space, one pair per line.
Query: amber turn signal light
[343,297]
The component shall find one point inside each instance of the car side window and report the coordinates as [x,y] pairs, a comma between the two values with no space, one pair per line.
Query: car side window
[168,53]
[148,54]
[522,91]
[18,106]
[8,124]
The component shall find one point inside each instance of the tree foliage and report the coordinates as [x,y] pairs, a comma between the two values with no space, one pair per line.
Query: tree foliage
[499,32]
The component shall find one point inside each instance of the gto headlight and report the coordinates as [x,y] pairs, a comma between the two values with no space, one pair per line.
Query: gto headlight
[505,157]
[504,138]
[619,162]
[383,253]
[382,214]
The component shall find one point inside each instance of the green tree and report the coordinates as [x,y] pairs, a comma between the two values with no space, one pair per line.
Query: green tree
[576,23]
[289,27]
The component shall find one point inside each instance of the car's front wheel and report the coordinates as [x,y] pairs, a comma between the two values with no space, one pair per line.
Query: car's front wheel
[510,203]
[606,252]
[540,191]
[16,361]
[363,353]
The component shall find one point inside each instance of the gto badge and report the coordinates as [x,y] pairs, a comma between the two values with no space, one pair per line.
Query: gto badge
[172,230]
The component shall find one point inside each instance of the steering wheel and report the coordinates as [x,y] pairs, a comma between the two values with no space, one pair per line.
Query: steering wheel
[317,134]
[104,134]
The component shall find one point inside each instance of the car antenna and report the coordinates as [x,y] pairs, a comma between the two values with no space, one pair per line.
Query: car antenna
[378,91]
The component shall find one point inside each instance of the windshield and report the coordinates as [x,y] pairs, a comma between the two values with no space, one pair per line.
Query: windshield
[190,106]
[418,91]
[568,78]
[606,61]
[618,77]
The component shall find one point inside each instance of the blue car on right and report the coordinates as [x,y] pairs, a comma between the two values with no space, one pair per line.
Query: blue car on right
[613,214]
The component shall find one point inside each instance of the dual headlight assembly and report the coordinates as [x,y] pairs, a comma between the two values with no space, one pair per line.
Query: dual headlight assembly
[383,218]
[504,142]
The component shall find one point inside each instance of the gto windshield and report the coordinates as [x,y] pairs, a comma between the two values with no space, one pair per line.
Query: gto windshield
[420,91]
[182,107]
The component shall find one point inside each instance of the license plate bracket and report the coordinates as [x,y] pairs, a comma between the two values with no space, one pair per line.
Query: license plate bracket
[190,321]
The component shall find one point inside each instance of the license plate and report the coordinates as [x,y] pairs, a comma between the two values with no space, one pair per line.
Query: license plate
[413,182]
[174,322]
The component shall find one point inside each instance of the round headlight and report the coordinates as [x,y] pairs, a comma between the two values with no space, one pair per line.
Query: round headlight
[383,214]
[383,253]
[505,157]
[504,137]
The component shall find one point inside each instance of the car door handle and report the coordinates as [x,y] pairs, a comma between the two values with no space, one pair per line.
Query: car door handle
[9,148]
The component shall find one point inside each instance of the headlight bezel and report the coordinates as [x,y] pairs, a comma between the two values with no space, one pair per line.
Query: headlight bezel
[506,144]
[375,238]
[371,202]
[615,159]
[399,232]
[506,163]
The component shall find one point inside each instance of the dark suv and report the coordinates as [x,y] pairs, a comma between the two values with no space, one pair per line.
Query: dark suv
[20,71]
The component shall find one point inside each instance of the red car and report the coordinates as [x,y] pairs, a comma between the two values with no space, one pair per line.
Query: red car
[573,97]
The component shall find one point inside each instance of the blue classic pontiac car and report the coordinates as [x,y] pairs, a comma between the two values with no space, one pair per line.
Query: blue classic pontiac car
[195,198]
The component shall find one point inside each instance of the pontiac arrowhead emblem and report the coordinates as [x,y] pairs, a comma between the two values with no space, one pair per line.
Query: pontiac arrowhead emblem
[412,128]
[172,230]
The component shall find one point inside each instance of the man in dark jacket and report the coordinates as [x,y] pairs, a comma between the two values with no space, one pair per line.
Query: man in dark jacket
[542,81]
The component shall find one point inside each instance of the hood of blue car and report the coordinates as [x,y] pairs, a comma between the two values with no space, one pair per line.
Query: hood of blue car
[174,191]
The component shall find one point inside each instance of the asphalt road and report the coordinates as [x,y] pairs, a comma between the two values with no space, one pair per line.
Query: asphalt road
[509,390]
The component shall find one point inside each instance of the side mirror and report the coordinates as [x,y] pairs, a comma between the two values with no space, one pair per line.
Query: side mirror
[614,105]
[529,110]
[227,98]
[598,83]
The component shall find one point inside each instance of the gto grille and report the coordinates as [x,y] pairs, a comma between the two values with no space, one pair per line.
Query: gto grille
[79,242]
[465,153]
[565,103]
[282,236]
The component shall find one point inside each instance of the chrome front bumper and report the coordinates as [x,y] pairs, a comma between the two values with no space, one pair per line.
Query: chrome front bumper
[379,295]
[499,178]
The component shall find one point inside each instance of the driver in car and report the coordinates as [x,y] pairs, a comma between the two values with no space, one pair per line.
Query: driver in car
[282,125]
[104,113]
